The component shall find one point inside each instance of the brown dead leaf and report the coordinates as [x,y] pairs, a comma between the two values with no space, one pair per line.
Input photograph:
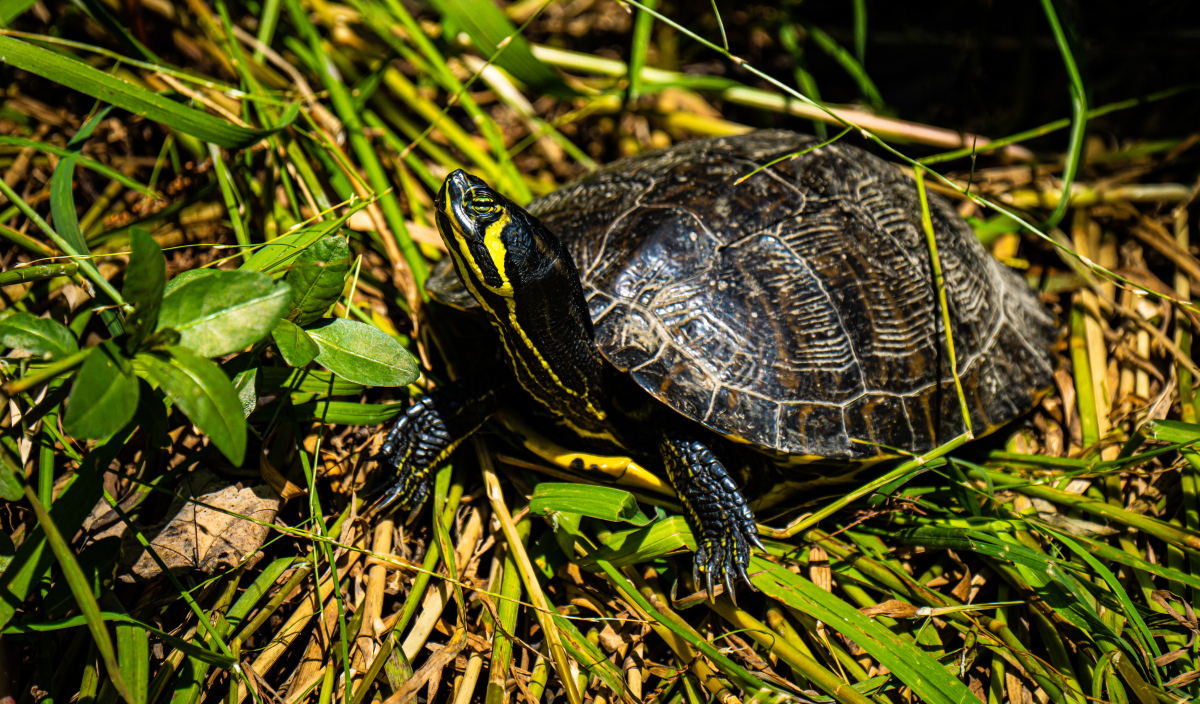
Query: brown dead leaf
[199,537]
[890,608]
[818,568]
[1181,680]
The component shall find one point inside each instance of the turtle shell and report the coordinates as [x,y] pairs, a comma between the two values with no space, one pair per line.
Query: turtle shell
[796,309]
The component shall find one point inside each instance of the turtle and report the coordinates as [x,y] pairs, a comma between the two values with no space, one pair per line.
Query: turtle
[723,305]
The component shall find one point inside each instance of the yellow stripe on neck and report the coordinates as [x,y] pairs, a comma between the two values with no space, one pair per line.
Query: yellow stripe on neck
[497,251]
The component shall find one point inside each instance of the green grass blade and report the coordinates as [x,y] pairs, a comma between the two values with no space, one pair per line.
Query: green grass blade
[928,679]
[83,595]
[1079,113]
[79,76]
[233,199]
[133,657]
[848,63]
[744,679]
[500,42]
[642,25]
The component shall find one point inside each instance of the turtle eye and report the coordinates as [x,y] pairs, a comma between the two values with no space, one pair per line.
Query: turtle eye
[482,205]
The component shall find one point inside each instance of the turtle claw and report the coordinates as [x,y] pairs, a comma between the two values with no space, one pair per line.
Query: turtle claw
[721,520]
[423,438]
[413,449]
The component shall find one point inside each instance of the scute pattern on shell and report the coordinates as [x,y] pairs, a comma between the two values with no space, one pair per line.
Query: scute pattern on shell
[797,310]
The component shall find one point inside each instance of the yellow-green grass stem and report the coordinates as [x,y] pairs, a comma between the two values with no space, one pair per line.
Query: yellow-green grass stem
[1187,540]
[837,656]
[849,64]
[1051,637]
[679,628]
[558,653]
[1056,125]
[234,207]
[639,46]
[1081,371]
[917,464]
[783,628]
[41,375]
[415,598]
[800,663]
[1078,113]
[404,89]
[939,280]
[439,69]
[348,112]
[389,114]
[40,272]
[1185,337]
[85,263]
[896,579]
[506,623]
[81,590]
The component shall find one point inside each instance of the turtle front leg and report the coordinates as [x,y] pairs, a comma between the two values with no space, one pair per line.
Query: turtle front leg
[430,429]
[720,517]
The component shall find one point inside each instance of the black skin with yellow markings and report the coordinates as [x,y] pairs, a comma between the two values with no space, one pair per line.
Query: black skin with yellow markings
[527,284]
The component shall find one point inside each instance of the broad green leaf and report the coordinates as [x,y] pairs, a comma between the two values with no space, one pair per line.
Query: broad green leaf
[10,484]
[39,336]
[489,28]
[145,279]
[79,76]
[282,251]
[317,279]
[245,386]
[152,418]
[184,277]
[295,345]
[603,502]
[104,397]
[205,395]
[363,354]
[224,311]
[7,549]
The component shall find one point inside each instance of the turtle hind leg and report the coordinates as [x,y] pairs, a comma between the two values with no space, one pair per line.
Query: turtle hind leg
[720,517]
[430,429]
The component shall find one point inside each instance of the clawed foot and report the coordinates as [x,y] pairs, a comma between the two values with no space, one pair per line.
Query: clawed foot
[721,520]
[417,443]
[430,429]
[723,552]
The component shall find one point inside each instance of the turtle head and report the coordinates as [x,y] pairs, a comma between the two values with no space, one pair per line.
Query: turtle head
[525,281]
[494,242]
